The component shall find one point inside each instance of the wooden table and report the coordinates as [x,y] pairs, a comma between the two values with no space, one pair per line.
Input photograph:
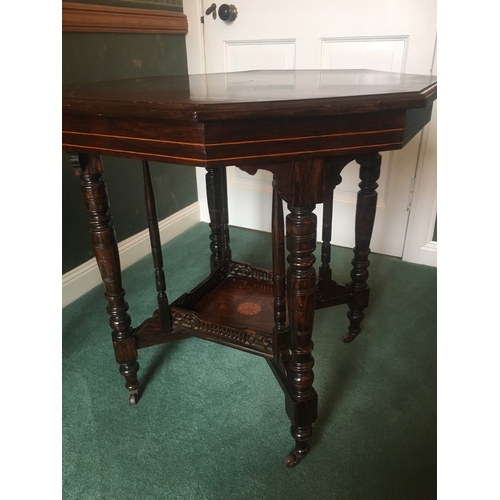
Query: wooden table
[304,127]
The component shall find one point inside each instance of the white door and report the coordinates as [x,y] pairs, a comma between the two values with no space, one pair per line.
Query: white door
[321,34]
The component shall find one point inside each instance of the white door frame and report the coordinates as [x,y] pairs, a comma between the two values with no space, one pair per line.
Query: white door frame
[195,48]
[420,246]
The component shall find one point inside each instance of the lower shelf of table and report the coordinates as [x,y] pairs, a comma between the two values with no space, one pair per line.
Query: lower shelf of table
[234,306]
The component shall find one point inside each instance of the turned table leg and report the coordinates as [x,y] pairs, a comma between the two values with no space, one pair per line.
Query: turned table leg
[89,169]
[301,184]
[301,225]
[366,206]
[216,183]
[302,407]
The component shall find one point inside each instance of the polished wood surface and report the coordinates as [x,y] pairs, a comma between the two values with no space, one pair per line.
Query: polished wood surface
[246,118]
[302,126]
[293,92]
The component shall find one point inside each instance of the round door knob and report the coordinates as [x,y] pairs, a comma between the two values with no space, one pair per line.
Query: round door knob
[228,12]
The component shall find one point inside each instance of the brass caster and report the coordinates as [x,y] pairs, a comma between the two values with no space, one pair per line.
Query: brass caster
[351,334]
[133,398]
[292,459]
[349,337]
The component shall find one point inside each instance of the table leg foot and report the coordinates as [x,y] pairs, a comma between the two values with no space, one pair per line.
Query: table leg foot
[349,337]
[133,397]
[292,459]
[129,371]
[302,448]
[355,317]
[356,314]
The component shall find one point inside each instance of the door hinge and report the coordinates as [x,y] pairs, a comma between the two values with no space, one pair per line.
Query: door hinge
[410,196]
[202,19]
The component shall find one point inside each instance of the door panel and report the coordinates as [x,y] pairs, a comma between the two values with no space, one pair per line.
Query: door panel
[259,54]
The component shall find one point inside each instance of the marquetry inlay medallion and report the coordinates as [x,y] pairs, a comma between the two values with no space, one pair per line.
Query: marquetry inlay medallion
[249,308]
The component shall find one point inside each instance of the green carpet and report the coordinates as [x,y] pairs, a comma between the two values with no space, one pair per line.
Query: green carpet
[211,423]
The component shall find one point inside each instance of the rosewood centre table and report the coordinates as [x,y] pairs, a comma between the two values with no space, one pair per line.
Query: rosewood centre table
[304,127]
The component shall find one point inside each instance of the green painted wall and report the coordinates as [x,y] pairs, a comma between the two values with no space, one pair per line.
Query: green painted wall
[107,56]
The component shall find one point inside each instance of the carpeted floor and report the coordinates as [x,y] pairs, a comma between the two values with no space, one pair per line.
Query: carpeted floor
[211,422]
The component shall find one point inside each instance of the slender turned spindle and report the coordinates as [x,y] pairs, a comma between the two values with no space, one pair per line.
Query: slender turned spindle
[366,206]
[279,283]
[154,236]
[333,179]
[325,271]
[219,215]
[89,169]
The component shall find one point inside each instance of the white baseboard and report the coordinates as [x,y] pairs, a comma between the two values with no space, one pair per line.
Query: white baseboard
[83,278]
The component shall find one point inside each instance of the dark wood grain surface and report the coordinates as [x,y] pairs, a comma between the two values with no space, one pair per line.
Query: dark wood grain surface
[209,96]
[247,118]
